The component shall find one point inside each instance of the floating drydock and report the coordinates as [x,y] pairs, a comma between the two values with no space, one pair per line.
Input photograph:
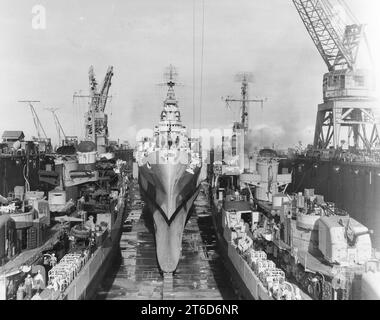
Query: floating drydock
[169,180]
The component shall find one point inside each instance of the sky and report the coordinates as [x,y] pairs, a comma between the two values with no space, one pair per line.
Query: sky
[141,38]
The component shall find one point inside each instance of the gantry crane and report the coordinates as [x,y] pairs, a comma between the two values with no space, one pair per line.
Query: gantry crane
[348,92]
[95,119]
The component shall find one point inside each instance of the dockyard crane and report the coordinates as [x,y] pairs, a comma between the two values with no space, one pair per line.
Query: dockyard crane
[99,98]
[36,119]
[57,125]
[95,119]
[337,44]
[349,92]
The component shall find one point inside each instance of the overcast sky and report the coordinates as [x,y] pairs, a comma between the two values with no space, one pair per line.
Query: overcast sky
[140,38]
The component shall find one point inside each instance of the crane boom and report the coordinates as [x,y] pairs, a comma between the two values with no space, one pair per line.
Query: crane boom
[338,48]
[99,98]
[95,119]
[57,124]
[105,89]
[36,119]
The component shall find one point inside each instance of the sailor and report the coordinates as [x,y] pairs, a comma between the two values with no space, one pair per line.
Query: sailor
[90,223]
[46,261]
[81,202]
[297,295]
[163,141]
[28,286]
[170,141]
[53,260]
[54,284]
[177,141]
[20,293]
[39,282]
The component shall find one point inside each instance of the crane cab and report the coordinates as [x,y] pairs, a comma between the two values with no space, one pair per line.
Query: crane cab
[348,83]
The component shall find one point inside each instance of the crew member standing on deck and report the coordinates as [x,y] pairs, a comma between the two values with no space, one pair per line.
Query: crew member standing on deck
[53,260]
[90,223]
[39,282]
[28,286]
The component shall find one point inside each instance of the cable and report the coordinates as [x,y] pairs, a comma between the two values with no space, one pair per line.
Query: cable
[193,64]
[349,11]
[27,185]
[202,54]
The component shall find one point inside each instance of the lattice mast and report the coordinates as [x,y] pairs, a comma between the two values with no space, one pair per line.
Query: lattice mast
[240,129]
[245,78]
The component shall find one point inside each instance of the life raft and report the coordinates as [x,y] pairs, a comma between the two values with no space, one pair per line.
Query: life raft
[79,232]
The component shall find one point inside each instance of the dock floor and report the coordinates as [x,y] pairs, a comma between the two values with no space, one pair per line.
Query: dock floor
[200,273]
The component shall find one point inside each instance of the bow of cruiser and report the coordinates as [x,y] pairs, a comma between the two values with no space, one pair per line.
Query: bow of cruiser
[169,188]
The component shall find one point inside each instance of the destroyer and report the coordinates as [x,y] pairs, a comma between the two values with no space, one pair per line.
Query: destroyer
[286,246]
[169,179]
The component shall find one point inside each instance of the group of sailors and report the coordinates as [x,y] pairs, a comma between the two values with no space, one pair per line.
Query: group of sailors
[59,275]
[32,287]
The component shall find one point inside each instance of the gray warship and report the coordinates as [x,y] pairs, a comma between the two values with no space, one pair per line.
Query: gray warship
[169,170]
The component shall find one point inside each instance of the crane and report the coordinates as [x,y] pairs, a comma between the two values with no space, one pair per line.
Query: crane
[36,119]
[350,103]
[105,89]
[99,98]
[337,44]
[57,125]
[95,119]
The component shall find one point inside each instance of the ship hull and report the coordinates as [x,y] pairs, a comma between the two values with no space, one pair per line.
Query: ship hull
[169,192]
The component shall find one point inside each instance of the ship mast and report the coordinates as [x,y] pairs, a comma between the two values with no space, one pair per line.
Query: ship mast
[244,78]
[240,129]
